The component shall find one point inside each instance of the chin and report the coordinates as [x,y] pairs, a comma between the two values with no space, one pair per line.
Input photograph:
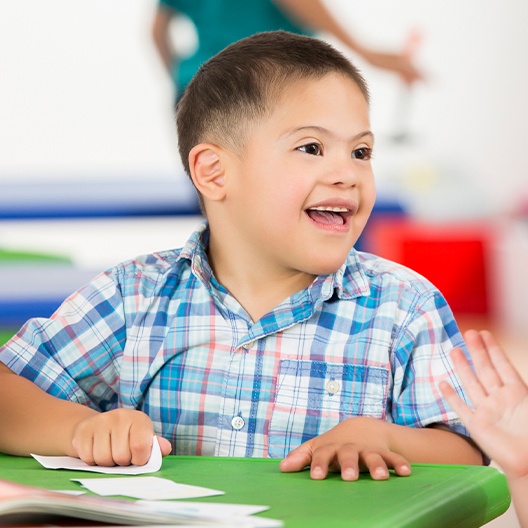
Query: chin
[327,267]
[327,261]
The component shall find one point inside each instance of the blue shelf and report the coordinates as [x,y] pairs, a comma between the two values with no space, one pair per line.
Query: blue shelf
[13,313]
[77,199]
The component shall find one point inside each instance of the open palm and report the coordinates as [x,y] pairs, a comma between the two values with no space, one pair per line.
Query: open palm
[498,421]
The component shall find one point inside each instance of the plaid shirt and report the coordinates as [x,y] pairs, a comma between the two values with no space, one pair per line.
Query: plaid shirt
[160,334]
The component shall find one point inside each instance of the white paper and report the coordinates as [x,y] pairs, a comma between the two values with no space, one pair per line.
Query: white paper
[148,488]
[219,514]
[70,492]
[76,464]
[204,509]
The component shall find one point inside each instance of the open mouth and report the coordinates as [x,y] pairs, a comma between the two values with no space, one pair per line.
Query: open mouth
[329,216]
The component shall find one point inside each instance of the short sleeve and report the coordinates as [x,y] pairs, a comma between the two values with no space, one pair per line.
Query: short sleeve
[75,354]
[421,360]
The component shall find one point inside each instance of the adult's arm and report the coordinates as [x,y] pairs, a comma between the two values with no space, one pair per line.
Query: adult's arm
[315,15]
[160,35]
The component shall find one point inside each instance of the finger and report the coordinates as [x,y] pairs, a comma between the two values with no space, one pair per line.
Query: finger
[412,43]
[82,441]
[165,446]
[322,458]
[120,448]
[102,448]
[469,380]
[348,459]
[297,459]
[376,465]
[486,372]
[140,441]
[398,463]
[83,445]
[455,402]
[502,364]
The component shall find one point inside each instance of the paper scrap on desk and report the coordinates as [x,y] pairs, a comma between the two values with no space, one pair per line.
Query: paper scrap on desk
[148,488]
[222,514]
[70,492]
[203,508]
[76,464]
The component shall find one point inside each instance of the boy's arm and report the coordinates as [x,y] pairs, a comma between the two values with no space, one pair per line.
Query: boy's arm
[36,422]
[74,354]
[362,443]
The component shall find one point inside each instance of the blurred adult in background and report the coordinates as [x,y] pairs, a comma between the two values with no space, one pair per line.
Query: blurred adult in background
[221,22]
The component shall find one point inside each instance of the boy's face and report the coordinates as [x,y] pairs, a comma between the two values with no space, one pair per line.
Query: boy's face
[303,189]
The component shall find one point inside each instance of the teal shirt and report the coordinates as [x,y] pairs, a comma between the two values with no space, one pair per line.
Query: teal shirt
[220,23]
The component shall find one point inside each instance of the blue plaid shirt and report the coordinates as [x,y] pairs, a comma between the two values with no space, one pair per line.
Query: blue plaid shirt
[160,334]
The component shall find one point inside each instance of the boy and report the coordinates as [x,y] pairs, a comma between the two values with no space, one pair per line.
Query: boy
[267,329]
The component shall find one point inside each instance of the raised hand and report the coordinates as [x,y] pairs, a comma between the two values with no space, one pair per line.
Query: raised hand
[498,421]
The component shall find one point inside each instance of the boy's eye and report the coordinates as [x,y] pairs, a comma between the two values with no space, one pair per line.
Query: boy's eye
[312,148]
[364,153]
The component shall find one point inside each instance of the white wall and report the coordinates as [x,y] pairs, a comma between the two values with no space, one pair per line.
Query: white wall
[84,95]
[469,120]
[83,92]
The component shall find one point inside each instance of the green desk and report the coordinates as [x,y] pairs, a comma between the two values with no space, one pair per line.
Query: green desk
[433,496]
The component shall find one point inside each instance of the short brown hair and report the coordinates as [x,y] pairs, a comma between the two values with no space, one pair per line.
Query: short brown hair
[239,85]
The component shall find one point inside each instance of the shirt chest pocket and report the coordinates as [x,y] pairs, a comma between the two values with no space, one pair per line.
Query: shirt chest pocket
[314,396]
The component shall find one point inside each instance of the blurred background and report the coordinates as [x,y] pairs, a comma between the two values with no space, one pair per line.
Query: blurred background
[90,174]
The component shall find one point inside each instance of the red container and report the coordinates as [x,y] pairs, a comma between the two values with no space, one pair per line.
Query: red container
[451,255]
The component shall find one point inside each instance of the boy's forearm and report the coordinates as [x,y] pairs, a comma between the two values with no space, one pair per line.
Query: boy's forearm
[34,421]
[433,445]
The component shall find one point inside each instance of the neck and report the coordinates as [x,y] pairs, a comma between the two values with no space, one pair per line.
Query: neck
[256,284]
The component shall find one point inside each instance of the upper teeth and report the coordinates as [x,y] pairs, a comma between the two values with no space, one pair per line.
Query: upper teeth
[332,209]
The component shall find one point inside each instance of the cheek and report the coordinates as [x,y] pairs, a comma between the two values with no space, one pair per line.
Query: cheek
[368,197]
[368,188]
[296,185]
[290,203]
[284,193]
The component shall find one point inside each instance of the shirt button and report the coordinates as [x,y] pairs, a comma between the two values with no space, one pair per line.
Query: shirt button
[332,387]
[249,345]
[238,422]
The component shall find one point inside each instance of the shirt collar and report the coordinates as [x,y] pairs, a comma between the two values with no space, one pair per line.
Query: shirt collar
[348,282]
[196,243]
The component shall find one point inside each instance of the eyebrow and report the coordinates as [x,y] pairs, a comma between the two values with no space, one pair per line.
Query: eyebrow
[322,130]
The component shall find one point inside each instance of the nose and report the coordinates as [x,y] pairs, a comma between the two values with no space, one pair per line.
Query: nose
[343,172]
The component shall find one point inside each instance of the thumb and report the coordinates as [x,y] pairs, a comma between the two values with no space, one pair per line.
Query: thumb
[297,459]
[165,446]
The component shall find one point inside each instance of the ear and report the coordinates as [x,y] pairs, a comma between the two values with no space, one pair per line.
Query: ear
[207,171]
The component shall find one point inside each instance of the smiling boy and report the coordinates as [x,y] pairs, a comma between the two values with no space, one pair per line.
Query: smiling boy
[267,334]
[299,195]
